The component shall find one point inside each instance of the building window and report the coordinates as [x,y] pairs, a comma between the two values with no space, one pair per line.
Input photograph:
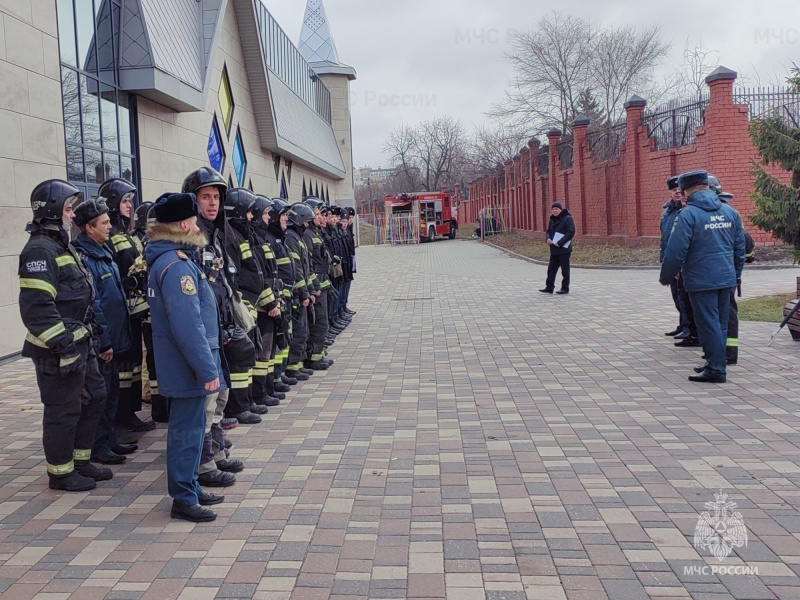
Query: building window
[216,151]
[239,158]
[225,97]
[97,114]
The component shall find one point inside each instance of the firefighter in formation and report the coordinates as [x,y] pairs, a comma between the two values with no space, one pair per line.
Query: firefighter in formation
[278,274]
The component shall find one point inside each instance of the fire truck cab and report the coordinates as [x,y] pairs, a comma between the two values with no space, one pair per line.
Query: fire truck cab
[437,212]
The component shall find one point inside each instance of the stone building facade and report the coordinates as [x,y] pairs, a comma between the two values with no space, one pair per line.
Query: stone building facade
[150,90]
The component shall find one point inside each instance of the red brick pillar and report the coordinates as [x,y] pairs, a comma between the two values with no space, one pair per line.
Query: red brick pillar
[525,176]
[579,127]
[533,146]
[552,139]
[634,109]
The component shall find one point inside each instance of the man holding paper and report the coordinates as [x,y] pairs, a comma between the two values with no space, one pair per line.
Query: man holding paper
[559,237]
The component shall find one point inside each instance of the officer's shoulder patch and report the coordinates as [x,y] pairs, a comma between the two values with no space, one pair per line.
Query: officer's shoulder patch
[36,266]
[182,255]
[188,285]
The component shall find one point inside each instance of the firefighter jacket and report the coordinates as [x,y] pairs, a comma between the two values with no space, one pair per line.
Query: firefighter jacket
[313,279]
[218,267]
[348,249]
[269,265]
[320,257]
[128,254]
[55,297]
[243,252]
[186,329]
[110,305]
[301,289]
[286,272]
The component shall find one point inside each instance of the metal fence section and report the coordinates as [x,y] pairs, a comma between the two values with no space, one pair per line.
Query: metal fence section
[564,148]
[396,230]
[673,124]
[493,220]
[770,102]
[606,142]
[543,160]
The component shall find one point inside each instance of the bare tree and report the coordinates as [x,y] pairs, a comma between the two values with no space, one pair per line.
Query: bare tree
[429,156]
[567,60]
[623,62]
[551,68]
[698,63]
[491,145]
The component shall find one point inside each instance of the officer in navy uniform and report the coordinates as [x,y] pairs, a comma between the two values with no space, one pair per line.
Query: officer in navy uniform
[672,207]
[238,352]
[55,300]
[708,249]
[120,195]
[111,314]
[187,347]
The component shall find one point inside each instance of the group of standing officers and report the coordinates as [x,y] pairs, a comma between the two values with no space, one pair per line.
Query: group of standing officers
[703,251]
[235,297]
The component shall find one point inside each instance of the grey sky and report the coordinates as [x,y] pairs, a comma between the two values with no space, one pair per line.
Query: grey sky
[418,59]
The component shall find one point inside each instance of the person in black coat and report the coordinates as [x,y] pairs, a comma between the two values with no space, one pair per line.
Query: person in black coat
[559,237]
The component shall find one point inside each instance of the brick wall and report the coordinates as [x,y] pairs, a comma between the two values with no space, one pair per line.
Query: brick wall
[619,200]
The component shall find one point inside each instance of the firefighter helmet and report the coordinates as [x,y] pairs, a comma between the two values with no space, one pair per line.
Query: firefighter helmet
[114,191]
[262,205]
[142,217]
[49,197]
[299,214]
[204,177]
[313,203]
[279,206]
[239,202]
[714,184]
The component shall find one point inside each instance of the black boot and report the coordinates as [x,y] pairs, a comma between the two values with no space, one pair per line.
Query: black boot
[216,479]
[74,482]
[297,375]
[287,380]
[87,469]
[195,514]
[258,409]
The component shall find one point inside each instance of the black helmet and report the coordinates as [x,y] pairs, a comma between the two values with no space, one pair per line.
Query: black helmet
[299,214]
[239,202]
[204,177]
[88,210]
[142,216]
[313,203]
[714,184]
[49,197]
[349,211]
[114,192]
[279,206]
[262,205]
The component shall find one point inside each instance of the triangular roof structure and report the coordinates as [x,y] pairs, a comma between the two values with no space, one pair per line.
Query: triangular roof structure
[316,42]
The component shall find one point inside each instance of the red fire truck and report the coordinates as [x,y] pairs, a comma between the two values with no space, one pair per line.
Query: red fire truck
[436,213]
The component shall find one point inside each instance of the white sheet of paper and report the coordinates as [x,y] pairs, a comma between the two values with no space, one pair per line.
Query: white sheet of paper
[557,237]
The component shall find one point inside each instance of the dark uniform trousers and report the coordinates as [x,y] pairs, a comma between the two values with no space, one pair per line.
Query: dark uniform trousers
[732,342]
[241,357]
[130,376]
[106,436]
[185,434]
[318,330]
[688,310]
[297,347]
[711,310]
[558,261]
[264,357]
[159,407]
[73,404]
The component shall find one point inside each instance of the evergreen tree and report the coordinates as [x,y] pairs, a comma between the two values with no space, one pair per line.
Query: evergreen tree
[588,106]
[778,205]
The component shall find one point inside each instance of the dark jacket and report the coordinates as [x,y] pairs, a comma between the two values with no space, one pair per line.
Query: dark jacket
[707,246]
[671,210]
[183,311]
[302,289]
[564,225]
[127,252]
[55,297]
[243,252]
[320,257]
[276,238]
[110,304]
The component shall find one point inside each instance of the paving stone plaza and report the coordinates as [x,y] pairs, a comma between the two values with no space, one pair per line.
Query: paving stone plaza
[474,440]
